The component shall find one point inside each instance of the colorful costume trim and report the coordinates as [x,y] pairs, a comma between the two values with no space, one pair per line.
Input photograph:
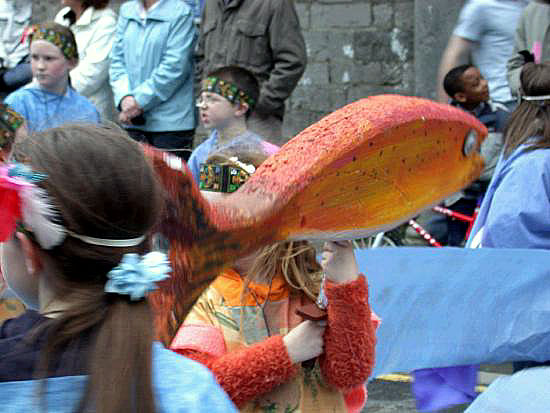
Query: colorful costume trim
[228,90]
[10,121]
[222,178]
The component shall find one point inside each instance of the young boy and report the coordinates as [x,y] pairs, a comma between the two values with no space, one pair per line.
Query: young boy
[227,98]
[470,92]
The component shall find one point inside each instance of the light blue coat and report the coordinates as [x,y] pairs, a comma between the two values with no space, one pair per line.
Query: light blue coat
[152,61]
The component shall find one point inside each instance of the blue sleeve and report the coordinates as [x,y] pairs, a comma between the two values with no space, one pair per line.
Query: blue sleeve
[175,66]
[471,21]
[519,215]
[118,77]
[183,385]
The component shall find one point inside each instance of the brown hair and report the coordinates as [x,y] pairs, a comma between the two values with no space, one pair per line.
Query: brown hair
[530,122]
[102,186]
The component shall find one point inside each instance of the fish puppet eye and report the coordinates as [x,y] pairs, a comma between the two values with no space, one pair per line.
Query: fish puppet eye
[470,143]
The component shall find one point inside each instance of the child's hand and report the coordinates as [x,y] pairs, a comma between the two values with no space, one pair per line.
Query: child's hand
[305,341]
[338,261]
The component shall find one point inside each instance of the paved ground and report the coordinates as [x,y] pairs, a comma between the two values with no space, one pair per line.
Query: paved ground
[393,395]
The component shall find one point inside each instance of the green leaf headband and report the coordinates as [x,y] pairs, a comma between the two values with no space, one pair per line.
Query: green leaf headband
[228,90]
[10,121]
[65,43]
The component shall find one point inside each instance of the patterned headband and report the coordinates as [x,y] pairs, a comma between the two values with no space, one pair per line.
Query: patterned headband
[228,90]
[10,121]
[64,42]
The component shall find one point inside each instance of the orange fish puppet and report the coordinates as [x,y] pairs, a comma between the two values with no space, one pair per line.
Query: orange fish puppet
[364,168]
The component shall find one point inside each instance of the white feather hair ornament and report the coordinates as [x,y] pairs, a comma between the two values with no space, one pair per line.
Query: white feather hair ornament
[39,216]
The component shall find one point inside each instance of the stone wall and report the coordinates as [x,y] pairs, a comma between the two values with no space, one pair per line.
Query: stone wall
[357,48]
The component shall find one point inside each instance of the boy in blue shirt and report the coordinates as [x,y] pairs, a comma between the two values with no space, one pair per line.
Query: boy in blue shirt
[227,98]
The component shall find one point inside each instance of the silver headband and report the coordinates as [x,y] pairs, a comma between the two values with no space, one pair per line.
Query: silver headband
[119,243]
[535,98]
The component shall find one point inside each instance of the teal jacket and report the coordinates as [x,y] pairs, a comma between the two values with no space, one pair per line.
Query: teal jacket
[152,60]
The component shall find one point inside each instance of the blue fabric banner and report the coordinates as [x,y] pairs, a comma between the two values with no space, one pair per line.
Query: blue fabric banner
[451,306]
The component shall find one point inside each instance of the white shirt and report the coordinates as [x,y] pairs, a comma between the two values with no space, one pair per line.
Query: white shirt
[15,16]
[95,33]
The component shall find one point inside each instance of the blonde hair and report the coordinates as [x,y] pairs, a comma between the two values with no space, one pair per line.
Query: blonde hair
[294,260]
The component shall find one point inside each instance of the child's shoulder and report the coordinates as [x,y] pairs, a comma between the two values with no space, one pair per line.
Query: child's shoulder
[24,92]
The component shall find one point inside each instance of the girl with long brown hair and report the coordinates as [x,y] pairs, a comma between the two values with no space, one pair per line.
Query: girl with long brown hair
[257,327]
[76,211]
[516,207]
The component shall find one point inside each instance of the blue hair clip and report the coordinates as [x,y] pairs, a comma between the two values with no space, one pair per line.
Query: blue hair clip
[136,276]
[19,170]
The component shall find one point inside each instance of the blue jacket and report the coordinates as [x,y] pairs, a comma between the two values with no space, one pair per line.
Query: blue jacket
[179,384]
[42,109]
[152,61]
[515,212]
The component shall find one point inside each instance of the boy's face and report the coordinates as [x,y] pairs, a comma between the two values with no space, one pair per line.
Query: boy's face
[475,87]
[215,110]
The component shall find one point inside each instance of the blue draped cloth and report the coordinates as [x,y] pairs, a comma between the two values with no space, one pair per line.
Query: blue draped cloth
[444,307]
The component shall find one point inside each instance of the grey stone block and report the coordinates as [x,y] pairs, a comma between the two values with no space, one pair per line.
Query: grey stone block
[346,15]
[303,11]
[373,45]
[316,45]
[383,15]
[404,15]
[315,74]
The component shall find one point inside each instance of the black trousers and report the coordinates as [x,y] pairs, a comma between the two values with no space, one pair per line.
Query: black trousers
[179,143]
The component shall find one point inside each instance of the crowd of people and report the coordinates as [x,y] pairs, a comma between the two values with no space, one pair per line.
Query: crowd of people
[83,201]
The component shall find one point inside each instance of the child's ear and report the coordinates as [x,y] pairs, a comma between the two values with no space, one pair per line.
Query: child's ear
[31,251]
[73,63]
[460,97]
[242,108]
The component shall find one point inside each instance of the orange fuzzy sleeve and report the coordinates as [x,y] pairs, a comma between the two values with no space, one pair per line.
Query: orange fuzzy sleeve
[250,372]
[350,335]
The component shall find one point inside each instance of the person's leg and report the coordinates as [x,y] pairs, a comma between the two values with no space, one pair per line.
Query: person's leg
[179,143]
[268,127]
[138,135]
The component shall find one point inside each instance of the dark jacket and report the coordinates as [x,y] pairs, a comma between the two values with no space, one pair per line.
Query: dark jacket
[263,36]
[494,116]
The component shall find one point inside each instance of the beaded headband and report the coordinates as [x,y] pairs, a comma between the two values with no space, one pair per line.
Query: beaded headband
[65,43]
[10,121]
[222,178]
[228,90]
